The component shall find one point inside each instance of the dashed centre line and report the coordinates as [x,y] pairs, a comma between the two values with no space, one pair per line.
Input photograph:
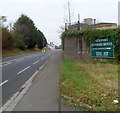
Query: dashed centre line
[36,62]
[17,59]
[4,82]
[23,70]
[42,58]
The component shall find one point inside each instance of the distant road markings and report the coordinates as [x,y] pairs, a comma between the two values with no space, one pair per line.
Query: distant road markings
[17,59]
[13,60]
[36,62]
[5,64]
[4,82]
[23,70]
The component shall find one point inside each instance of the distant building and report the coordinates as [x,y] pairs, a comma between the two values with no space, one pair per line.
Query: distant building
[51,45]
[89,24]
[58,47]
[88,21]
[104,25]
[75,26]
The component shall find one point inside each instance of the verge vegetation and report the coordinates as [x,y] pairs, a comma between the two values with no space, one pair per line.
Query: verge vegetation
[13,52]
[90,86]
[23,35]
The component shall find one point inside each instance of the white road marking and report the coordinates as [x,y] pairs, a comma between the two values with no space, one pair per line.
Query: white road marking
[10,104]
[17,60]
[23,70]
[42,58]
[46,62]
[4,82]
[41,67]
[13,60]
[5,64]
[36,62]
[9,61]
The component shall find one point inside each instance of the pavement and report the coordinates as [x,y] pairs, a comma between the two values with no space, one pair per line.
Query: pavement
[43,94]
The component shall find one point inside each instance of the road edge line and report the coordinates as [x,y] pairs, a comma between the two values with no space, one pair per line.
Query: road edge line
[12,102]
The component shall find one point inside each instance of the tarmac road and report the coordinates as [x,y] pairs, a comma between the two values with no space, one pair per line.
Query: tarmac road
[44,93]
[16,70]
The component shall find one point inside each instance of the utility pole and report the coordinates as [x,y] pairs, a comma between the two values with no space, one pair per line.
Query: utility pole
[65,26]
[78,22]
[69,13]
[94,23]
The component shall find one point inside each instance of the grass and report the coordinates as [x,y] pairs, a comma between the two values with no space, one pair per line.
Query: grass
[90,86]
[6,53]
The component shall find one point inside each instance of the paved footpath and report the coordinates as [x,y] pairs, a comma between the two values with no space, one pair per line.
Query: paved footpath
[43,95]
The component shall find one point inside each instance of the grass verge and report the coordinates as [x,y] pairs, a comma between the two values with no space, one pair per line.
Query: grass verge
[90,86]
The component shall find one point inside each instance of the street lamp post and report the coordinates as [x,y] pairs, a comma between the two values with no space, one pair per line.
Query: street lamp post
[78,22]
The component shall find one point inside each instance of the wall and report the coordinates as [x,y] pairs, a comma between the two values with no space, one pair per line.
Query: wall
[75,48]
[70,48]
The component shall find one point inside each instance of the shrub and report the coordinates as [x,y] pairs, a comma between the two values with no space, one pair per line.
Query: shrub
[7,39]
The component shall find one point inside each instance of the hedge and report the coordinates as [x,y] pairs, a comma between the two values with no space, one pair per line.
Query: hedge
[97,33]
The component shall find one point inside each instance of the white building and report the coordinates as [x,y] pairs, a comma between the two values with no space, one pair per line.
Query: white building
[51,45]
[88,21]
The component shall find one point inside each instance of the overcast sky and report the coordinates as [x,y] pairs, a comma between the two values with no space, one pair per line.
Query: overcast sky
[49,15]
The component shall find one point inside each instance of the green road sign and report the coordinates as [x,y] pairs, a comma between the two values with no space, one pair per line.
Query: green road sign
[102,48]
